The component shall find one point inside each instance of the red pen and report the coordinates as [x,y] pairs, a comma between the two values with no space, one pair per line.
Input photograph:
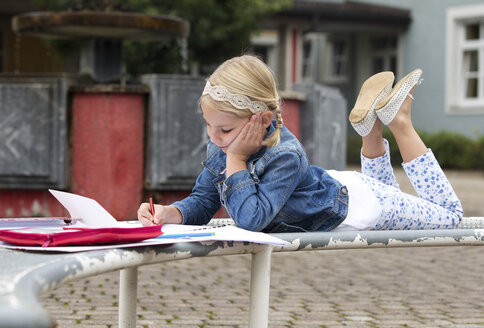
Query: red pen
[152,208]
[76,228]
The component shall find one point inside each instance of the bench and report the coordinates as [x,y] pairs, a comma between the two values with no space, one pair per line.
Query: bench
[24,275]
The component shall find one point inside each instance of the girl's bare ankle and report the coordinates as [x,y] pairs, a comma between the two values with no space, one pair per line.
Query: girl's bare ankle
[372,144]
[401,128]
[377,130]
[373,149]
[403,118]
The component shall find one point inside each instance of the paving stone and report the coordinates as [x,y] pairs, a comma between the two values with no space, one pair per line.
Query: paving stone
[439,287]
[296,304]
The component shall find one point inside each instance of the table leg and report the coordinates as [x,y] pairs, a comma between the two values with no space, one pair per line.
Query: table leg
[128,287]
[260,276]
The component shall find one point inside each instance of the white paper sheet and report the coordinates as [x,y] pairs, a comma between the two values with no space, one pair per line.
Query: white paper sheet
[92,214]
[19,223]
[231,233]
[90,211]
[226,233]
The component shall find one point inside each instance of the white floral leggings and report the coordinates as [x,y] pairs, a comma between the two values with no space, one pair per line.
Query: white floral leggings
[436,207]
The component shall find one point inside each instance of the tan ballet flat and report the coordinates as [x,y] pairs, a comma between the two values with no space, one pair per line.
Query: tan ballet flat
[373,91]
[388,107]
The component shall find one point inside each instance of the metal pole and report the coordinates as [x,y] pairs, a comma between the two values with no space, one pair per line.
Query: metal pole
[128,287]
[260,276]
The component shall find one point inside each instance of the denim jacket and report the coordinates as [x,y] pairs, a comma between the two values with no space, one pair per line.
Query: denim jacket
[279,192]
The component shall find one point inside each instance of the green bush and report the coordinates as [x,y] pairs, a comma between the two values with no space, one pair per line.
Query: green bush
[479,152]
[452,150]
[353,147]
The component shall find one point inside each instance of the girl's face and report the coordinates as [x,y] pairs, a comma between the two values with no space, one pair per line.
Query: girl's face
[222,127]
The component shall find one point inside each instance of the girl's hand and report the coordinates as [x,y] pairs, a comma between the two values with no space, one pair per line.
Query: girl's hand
[249,140]
[163,214]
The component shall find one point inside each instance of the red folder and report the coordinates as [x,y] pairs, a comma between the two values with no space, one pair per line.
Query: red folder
[79,236]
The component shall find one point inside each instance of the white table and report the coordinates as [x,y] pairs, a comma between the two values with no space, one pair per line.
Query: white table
[23,275]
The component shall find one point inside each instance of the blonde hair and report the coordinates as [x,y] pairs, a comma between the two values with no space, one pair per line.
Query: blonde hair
[247,75]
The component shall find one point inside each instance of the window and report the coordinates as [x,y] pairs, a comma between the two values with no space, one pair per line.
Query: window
[337,67]
[340,58]
[472,49]
[465,59]
[1,51]
[308,72]
[384,54]
[264,44]
[261,52]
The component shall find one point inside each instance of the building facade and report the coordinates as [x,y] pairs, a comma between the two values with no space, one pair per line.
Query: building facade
[341,43]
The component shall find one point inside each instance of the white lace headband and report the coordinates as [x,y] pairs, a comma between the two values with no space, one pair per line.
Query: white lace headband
[220,93]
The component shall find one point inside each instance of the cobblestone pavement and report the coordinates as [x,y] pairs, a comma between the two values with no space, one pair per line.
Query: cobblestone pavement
[408,287]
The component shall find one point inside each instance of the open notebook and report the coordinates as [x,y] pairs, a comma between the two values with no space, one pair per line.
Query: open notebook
[89,224]
[90,212]
[91,227]
[83,211]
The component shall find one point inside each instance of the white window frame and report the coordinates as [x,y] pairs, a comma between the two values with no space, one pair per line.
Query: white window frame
[2,51]
[270,40]
[309,67]
[386,54]
[457,19]
[363,64]
[331,58]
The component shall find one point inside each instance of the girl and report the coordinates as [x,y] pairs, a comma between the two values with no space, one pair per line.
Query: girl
[259,171]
